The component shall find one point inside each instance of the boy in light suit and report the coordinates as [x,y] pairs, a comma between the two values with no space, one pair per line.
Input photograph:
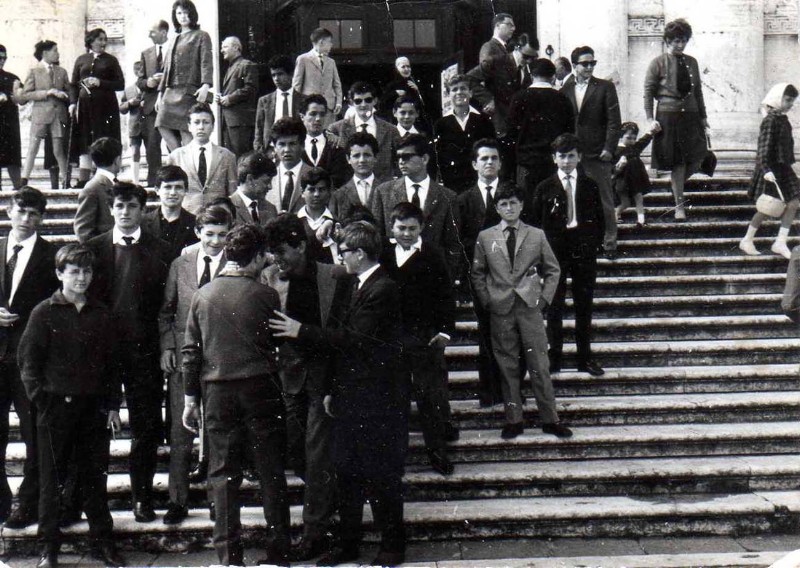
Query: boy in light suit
[315,72]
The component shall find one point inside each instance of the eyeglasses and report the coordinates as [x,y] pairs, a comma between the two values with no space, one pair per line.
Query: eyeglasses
[405,156]
[587,63]
[364,100]
[343,250]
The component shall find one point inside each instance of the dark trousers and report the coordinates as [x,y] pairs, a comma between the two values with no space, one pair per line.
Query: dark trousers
[238,413]
[584,273]
[489,376]
[369,456]
[152,146]
[532,173]
[238,139]
[12,390]
[429,387]
[180,443]
[73,428]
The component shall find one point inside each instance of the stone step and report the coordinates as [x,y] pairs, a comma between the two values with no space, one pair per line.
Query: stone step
[679,266]
[725,246]
[665,228]
[684,285]
[699,213]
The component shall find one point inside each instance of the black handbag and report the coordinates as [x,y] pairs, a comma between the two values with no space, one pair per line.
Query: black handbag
[709,163]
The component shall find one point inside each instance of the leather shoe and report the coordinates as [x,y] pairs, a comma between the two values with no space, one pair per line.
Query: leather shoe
[611,254]
[21,517]
[143,512]
[512,431]
[108,555]
[338,555]
[175,514]
[385,558]
[307,549]
[440,463]
[557,429]
[592,368]
[48,560]
[200,473]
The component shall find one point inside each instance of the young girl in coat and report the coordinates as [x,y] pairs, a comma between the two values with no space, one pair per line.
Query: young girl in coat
[630,179]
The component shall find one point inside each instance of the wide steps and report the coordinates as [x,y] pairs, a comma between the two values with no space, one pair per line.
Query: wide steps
[695,265]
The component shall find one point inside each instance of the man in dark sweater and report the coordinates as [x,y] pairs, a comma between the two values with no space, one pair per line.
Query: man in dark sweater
[170,221]
[231,351]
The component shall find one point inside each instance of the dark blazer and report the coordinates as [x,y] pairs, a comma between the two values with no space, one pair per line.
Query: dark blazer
[537,117]
[439,227]
[598,122]
[497,80]
[472,217]
[549,213]
[454,148]
[265,117]
[38,283]
[184,236]
[240,85]
[333,160]
[266,210]
[193,62]
[93,216]
[149,61]
[346,198]
[297,201]
[386,135]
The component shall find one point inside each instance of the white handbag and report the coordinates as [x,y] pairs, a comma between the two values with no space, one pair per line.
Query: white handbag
[771,206]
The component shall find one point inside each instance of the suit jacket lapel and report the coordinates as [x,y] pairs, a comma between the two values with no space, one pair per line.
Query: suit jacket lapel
[522,232]
[590,89]
[186,162]
[216,158]
[296,197]
[33,261]
[499,239]
[3,250]
[326,286]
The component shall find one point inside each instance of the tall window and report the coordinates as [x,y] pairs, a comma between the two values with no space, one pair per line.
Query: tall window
[346,33]
[419,34]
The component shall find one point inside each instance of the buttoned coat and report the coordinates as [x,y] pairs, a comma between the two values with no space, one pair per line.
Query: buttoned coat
[149,60]
[265,117]
[221,180]
[240,85]
[346,198]
[297,201]
[45,108]
[332,159]
[597,123]
[310,78]
[385,133]
[193,62]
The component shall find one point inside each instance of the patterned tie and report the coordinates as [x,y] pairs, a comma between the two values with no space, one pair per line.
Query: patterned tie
[285,109]
[511,244]
[415,197]
[128,241]
[159,60]
[314,151]
[11,265]
[287,192]
[202,167]
[254,212]
[205,278]
[570,200]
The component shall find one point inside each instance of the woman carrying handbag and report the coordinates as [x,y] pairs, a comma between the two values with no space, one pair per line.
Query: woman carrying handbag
[775,186]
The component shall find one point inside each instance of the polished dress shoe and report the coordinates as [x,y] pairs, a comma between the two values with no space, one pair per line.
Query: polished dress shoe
[611,254]
[21,517]
[308,548]
[385,558]
[108,555]
[200,473]
[440,463]
[557,429]
[338,555]
[143,512]
[48,560]
[175,514]
[23,181]
[592,368]
[512,431]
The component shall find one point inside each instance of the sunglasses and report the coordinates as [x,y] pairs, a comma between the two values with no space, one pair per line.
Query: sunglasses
[587,63]
[406,156]
[364,100]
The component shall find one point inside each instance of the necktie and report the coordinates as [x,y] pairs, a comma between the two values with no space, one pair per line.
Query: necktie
[254,212]
[511,243]
[321,62]
[314,151]
[285,109]
[364,191]
[570,201]
[205,278]
[159,60]
[11,265]
[415,197]
[128,241]
[202,168]
[363,127]
[287,192]
[489,198]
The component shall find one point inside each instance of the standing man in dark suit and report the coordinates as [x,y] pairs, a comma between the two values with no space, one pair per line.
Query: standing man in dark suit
[93,217]
[283,102]
[322,149]
[288,135]
[27,277]
[255,179]
[238,98]
[597,122]
[436,201]
[367,397]
[360,190]
[567,207]
[130,277]
[170,222]
[153,65]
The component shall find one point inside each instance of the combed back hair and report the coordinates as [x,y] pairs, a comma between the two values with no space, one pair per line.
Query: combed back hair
[500,18]
[244,243]
[405,210]
[459,78]
[281,62]
[628,127]
[361,88]
[675,29]
[358,213]
[213,215]
[285,229]
[790,91]
[320,33]
[313,98]
[485,143]
[126,190]
[255,164]
[104,151]
[225,203]
[41,47]
[288,126]
[363,139]
[533,42]
[406,99]
[92,35]
[28,196]
[201,108]
[578,51]
[565,143]
[420,143]
[543,68]
[75,254]
[508,191]
[189,6]
[564,62]
[171,173]
[313,176]
[362,235]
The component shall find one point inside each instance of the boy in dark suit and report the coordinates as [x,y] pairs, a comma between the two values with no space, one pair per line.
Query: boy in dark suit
[283,102]
[130,277]
[27,277]
[359,190]
[428,311]
[255,179]
[316,217]
[515,273]
[322,149]
[567,207]
[170,221]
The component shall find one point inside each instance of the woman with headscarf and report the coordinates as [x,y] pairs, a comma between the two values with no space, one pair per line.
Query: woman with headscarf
[773,174]
[402,85]
[673,79]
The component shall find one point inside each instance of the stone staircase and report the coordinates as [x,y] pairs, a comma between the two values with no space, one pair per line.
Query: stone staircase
[693,429]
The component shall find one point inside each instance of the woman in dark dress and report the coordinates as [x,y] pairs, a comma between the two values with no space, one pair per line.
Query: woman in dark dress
[673,79]
[10,152]
[95,78]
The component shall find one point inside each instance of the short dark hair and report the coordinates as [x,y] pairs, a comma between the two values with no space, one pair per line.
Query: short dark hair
[74,253]
[363,139]
[313,176]
[406,99]
[200,108]
[565,143]
[126,190]
[458,78]
[563,61]
[359,212]
[500,18]
[189,6]
[405,210]
[244,243]
[281,62]
[626,127]
[256,164]
[578,51]
[104,151]
[790,91]
[314,98]
[320,33]
[163,25]
[288,126]
[41,47]
[225,203]
[508,191]
[675,29]
[362,235]
[171,173]
[543,68]
[361,87]
[485,143]
[419,142]
[92,35]
[28,196]
[285,228]
[213,215]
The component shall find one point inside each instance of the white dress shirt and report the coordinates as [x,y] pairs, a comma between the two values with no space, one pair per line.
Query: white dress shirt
[364,192]
[372,126]
[195,150]
[246,200]
[201,263]
[573,180]
[117,236]
[462,122]
[403,132]
[482,186]
[424,185]
[315,224]
[580,92]
[23,256]
[106,174]
[279,103]
[366,274]
[282,180]
[402,255]
[320,138]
